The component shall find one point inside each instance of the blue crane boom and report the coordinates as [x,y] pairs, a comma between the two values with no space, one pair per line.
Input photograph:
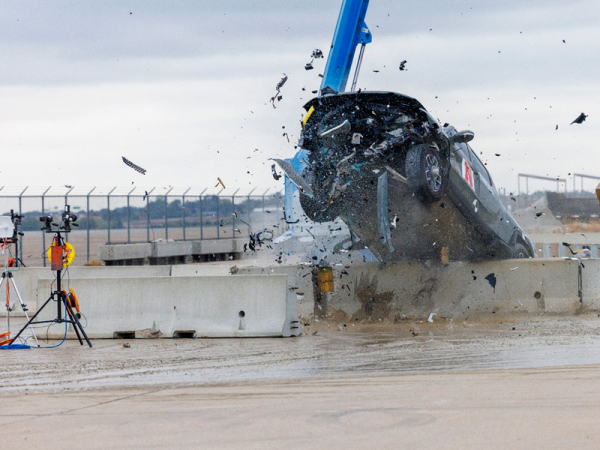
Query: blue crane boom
[350,31]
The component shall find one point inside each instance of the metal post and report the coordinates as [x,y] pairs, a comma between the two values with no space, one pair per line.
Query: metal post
[250,208]
[183,211]
[88,223]
[263,208]
[17,252]
[148,213]
[358,64]
[167,215]
[233,214]
[43,232]
[527,185]
[201,218]
[201,215]
[66,203]
[129,217]
[218,220]
[108,204]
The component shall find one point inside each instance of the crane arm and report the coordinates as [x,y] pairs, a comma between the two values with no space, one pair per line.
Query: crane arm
[350,31]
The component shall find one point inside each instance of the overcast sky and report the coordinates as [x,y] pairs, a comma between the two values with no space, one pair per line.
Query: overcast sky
[182,88]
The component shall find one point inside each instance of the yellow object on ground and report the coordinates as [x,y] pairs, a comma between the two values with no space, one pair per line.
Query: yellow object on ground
[445,256]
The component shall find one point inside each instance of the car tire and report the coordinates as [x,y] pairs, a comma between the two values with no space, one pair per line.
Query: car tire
[425,173]
[318,211]
[519,252]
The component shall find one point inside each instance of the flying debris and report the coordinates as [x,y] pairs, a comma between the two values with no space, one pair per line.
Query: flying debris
[278,88]
[316,54]
[133,166]
[275,174]
[402,65]
[491,278]
[579,119]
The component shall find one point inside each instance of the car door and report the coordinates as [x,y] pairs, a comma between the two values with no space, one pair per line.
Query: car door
[490,208]
[462,179]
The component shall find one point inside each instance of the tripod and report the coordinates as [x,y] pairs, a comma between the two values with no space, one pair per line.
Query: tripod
[16,221]
[60,296]
[8,274]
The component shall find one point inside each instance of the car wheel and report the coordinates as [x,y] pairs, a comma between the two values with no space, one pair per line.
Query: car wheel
[425,173]
[318,211]
[519,251]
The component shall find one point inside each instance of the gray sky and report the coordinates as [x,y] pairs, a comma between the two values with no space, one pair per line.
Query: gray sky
[182,88]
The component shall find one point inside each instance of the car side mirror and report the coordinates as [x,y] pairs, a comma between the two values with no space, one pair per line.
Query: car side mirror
[462,137]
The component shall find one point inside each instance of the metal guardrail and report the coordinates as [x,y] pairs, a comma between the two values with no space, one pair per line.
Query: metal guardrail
[188,213]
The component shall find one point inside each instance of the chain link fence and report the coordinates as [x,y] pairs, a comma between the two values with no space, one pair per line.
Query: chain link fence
[131,215]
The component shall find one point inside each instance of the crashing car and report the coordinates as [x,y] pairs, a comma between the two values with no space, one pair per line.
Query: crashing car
[405,185]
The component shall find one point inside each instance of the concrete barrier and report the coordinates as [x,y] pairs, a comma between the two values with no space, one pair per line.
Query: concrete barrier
[207,306]
[217,246]
[170,251]
[27,278]
[404,291]
[201,269]
[124,252]
[590,283]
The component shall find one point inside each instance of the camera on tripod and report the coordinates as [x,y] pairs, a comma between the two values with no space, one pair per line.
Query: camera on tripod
[16,222]
[68,220]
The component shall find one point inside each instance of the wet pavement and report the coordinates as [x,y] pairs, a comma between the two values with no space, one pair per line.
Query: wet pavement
[334,351]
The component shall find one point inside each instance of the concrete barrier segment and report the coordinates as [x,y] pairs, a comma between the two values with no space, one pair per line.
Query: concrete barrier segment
[209,306]
[409,291]
[27,278]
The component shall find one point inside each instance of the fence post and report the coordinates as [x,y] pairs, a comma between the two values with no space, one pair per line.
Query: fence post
[88,224]
[43,232]
[233,214]
[147,195]
[17,252]
[129,217]
[66,203]
[250,210]
[263,209]
[218,214]
[108,205]
[167,215]
[183,211]
[201,214]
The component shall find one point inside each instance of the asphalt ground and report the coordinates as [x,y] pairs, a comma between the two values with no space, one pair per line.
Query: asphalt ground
[524,383]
